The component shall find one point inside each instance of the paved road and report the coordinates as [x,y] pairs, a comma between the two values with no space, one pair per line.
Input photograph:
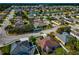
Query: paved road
[9,39]
[6,22]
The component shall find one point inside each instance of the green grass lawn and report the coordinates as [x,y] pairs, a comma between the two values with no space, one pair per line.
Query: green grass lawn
[1,21]
[60,51]
[5,49]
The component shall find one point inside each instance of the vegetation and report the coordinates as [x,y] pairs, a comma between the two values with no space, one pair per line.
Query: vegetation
[6,49]
[26,25]
[64,29]
[3,6]
[12,21]
[10,29]
[60,51]
[77,22]
[25,14]
[0,25]
[47,26]
[32,39]
[72,45]
[49,18]
[73,42]
[1,21]
[26,28]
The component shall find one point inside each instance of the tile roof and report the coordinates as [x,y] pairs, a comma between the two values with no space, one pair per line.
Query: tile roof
[47,42]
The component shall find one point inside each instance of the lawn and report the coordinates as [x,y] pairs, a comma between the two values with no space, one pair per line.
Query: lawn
[1,21]
[6,49]
[60,51]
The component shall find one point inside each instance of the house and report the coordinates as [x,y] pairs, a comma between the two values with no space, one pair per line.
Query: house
[19,23]
[63,37]
[75,33]
[22,48]
[47,44]
[40,22]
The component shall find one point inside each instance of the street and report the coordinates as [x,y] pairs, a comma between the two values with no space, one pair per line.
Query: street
[8,39]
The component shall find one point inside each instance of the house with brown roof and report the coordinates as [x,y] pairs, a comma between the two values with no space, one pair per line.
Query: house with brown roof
[47,44]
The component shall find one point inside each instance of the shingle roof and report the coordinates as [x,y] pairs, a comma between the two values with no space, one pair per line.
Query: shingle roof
[63,37]
[23,48]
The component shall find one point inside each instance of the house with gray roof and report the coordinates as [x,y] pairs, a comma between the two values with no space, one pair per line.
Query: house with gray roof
[22,48]
[63,37]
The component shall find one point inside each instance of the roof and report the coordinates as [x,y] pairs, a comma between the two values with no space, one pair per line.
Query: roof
[63,37]
[47,42]
[44,35]
[22,48]
[24,39]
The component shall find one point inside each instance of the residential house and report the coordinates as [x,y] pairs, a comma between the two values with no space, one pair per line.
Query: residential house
[75,33]
[47,44]
[63,37]
[22,48]
[40,22]
[19,22]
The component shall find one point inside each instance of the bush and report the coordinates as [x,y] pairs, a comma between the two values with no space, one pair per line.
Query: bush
[60,51]
[32,39]
[1,21]
[6,49]
[73,42]
[64,29]
[10,29]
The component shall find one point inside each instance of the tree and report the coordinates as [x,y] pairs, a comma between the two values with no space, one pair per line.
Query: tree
[40,11]
[60,51]
[25,14]
[6,49]
[67,29]
[60,30]
[49,26]
[49,18]
[77,45]
[64,29]
[12,21]
[74,43]
[67,16]
[10,29]
[4,6]
[32,39]
[1,20]
[28,27]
